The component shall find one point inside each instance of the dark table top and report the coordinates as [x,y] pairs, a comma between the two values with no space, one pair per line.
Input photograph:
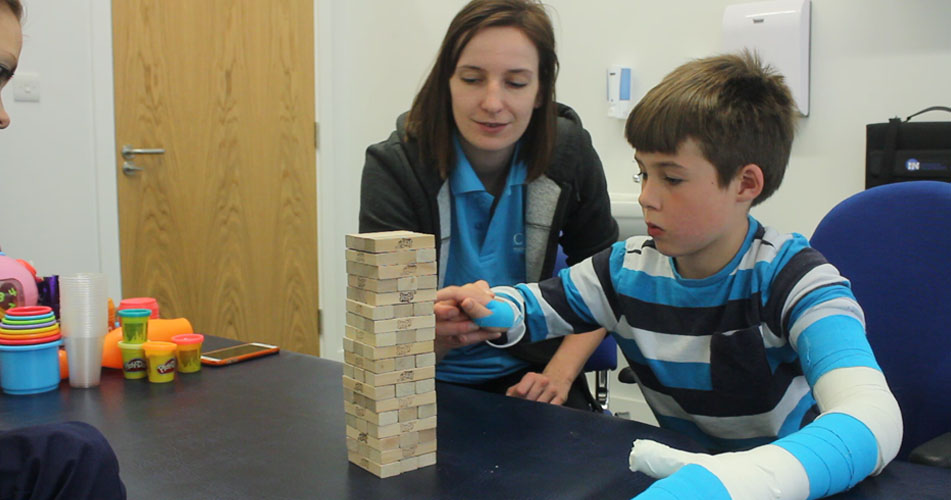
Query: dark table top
[274,428]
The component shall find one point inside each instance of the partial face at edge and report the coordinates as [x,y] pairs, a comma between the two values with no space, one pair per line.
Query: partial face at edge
[11,41]
[494,91]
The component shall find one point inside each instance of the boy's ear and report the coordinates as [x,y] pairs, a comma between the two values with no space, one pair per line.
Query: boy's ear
[750,185]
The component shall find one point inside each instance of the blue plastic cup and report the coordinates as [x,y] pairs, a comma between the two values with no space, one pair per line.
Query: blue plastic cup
[29,369]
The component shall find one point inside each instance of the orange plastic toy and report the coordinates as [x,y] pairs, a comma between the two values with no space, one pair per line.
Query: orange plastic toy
[63,365]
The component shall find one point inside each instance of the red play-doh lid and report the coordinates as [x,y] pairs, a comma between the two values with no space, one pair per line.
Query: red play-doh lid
[188,338]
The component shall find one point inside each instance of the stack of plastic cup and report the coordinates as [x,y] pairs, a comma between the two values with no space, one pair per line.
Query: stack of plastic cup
[84,310]
[29,350]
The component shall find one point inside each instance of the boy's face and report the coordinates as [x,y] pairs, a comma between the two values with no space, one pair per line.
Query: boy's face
[689,215]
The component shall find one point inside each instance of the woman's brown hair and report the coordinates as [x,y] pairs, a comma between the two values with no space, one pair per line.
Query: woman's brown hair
[15,6]
[430,119]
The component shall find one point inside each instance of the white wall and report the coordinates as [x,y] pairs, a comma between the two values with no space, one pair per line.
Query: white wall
[871,59]
[56,182]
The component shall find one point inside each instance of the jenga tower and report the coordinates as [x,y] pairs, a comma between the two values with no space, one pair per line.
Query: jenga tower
[389,384]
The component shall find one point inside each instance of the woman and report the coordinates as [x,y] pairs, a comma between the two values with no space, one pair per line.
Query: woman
[61,460]
[501,174]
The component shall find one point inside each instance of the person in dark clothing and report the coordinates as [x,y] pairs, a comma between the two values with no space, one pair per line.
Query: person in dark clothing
[64,460]
[502,175]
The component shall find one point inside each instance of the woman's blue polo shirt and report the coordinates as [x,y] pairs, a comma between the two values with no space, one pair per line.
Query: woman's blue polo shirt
[487,245]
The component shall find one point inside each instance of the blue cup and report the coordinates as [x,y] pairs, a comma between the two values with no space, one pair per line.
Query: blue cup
[29,369]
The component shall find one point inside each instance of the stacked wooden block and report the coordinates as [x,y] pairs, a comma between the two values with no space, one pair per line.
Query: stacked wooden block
[388,379]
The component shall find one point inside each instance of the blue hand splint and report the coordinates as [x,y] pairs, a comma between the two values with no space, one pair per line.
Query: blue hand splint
[502,316]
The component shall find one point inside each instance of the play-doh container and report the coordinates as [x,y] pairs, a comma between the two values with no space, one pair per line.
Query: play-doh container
[160,358]
[188,355]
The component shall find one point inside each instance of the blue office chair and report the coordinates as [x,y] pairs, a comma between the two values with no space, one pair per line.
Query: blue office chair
[893,242]
[603,359]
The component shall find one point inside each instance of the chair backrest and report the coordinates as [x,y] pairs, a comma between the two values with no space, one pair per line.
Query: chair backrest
[605,356]
[893,242]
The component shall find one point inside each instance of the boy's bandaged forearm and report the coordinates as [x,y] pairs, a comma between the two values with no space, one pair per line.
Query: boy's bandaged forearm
[858,433]
[766,472]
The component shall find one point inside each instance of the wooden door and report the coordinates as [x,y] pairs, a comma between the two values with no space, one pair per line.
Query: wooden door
[221,228]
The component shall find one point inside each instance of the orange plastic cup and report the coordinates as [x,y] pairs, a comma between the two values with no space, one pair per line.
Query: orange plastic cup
[188,354]
[160,358]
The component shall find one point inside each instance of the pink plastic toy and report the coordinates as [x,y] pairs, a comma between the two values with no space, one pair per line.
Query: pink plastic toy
[17,284]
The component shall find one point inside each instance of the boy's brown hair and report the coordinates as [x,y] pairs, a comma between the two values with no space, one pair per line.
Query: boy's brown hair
[737,110]
[430,119]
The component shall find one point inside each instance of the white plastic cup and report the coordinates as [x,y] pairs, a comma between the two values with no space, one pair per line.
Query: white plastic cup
[84,305]
[84,355]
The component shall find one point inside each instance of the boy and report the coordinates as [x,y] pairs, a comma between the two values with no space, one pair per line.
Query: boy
[738,334]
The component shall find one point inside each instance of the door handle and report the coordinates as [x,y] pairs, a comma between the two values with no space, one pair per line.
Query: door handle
[128,152]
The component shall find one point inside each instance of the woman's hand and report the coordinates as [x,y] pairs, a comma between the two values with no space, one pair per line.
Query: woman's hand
[455,308]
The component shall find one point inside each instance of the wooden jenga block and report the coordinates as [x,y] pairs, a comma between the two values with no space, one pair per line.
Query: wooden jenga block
[425,359]
[384,418]
[409,464]
[392,404]
[381,299]
[407,414]
[405,389]
[427,435]
[390,325]
[423,334]
[379,470]
[384,431]
[389,241]
[363,449]
[388,378]
[426,385]
[409,439]
[375,339]
[402,310]
[371,353]
[427,459]
[426,411]
[391,272]
[393,285]
[422,308]
[406,336]
[375,366]
[382,444]
[392,258]
[374,313]
[371,391]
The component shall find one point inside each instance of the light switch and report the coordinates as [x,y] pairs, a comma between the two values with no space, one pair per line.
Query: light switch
[26,87]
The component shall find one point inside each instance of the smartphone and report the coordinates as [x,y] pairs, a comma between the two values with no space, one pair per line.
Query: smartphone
[236,353]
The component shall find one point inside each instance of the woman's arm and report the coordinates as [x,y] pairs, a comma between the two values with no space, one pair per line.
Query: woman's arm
[552,385]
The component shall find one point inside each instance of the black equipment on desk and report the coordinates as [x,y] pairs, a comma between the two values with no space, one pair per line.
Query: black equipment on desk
[900,150]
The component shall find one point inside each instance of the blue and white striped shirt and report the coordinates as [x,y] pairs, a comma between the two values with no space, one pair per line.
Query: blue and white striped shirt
[720,358]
